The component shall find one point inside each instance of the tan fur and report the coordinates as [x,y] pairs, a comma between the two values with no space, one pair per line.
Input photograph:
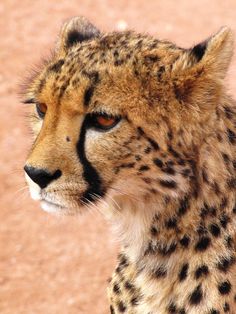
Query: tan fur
[167,169]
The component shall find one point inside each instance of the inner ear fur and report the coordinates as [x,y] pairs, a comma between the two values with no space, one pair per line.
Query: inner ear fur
[201,69]
[74,31]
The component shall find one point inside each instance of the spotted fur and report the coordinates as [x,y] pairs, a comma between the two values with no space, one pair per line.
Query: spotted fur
[164,175]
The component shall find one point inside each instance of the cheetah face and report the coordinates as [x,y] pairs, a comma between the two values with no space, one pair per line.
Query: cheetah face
[107,112]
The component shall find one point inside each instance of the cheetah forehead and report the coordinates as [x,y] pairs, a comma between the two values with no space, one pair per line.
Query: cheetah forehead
[119,63]
[135,72]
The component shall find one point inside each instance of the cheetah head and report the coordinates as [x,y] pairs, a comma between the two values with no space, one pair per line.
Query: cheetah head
[120,117]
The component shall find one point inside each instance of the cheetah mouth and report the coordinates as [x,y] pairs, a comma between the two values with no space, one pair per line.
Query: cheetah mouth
[51,207]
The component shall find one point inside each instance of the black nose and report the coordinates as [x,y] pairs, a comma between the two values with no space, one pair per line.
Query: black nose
[41,176]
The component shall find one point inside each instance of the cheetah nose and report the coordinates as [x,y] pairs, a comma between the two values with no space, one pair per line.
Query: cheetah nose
[41,176]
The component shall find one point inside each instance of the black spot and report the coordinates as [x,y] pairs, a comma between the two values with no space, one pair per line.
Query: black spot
[223,203]
[201,271]
[226,158]
[201,230]
[135,300]
[219,137]
[205,211]
[144,168]
[160,272]
[170,163]
[168,170]
[118,62]
[185,241]
[199,50]
[228,112]
[68,139]
[116,288]
[112,309]
[171,223]
[186,172]
[172,308]
[203,244]
[213,311]
[90,174]
[88,95]
[168,250]
[41,85]
[196,297]
[63,89]
[170,184]
[140,131]
[161,70]
[231,136]
[147,150]
[182,311]
[153,143]
[232,183]
[121,307]
[129,286]
[205,176]
[181,162]
[137,158]
[151,58]
[170,135]
[128,165]
[229,242]
[215,187]
[56,67]
[224,287]
[226,307]
[184,204]
[158,162]
[147,180]
[116,53]
[234,209]
[123,261]
[225,263]
[153,231]
[183,272]
[173,152]
[224,220]
[215,230]
[92,75]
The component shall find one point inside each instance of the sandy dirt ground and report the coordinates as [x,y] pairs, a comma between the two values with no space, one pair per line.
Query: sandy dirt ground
[54,265]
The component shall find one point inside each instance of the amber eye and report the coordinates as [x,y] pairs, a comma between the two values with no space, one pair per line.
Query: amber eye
[41,110]
[103,122]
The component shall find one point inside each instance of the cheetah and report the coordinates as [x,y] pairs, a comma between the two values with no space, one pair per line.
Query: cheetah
[145,131]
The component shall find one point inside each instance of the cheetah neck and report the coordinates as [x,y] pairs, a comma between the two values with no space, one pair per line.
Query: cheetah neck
[179,254]
[178,266]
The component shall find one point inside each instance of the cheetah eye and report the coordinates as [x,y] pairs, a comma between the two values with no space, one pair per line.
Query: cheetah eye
[103,122]
[41,110]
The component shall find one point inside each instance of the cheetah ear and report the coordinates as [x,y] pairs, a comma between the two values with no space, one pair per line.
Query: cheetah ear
[198,73]
[74,31]
[211,57]
[216,53]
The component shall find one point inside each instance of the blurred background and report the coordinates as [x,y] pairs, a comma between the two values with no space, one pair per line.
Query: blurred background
[51,265]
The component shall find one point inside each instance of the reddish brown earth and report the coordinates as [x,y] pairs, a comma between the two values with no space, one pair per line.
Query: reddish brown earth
[52,265]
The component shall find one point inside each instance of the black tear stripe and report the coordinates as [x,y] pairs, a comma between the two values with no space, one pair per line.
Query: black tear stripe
[94,78]
[90,174]
[88,95]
